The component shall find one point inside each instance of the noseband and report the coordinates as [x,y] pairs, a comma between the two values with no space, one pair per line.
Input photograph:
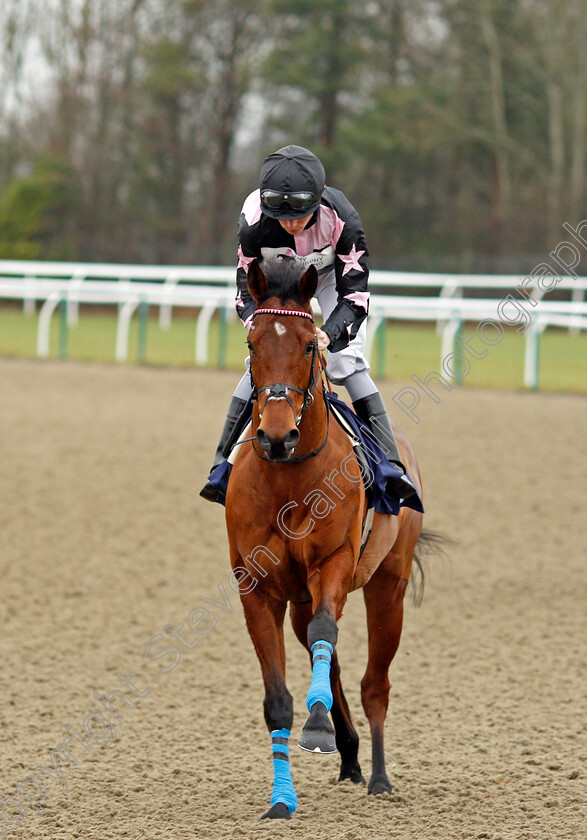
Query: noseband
[278,391]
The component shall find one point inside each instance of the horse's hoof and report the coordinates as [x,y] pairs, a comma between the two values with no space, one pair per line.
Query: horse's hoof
[379,784]
[318,734]
[279,811]
[352,772]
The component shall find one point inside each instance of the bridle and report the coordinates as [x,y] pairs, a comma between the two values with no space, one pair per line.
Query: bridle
[278,391]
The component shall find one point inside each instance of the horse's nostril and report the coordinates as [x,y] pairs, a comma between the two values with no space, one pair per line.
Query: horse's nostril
[264,440]
[291,439]
[279,448]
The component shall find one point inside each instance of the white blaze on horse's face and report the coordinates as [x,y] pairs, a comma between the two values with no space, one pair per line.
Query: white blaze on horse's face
[279,328]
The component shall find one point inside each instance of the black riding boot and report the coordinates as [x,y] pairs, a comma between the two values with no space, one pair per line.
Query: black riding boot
[371,409]
[235,409]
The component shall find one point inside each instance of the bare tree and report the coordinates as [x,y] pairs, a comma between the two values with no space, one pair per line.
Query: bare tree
[498,109]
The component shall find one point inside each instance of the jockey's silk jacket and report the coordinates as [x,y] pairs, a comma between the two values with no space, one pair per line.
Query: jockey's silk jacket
[333,240]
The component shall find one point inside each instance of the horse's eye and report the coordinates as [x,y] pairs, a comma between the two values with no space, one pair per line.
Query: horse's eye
[250,346]
[310,348]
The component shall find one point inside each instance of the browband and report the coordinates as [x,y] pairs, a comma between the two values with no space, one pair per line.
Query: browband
[283,312]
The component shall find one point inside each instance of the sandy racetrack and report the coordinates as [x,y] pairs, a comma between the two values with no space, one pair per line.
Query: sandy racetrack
[104,541]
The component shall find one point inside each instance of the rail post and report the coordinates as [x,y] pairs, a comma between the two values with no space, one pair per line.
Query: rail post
[459,363]
[222,336]
[63,328]
[532,355]
[143,325]
[453,326]
[380,339]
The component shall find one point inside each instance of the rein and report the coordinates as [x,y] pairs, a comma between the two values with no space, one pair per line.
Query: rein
[279,391]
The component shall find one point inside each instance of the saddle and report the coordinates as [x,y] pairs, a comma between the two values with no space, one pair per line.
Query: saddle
[375,467]
[366,475]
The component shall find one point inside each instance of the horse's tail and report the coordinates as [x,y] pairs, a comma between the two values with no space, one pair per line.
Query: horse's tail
[429,542]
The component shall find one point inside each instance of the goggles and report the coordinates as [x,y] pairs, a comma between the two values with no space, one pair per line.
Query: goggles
[296,201]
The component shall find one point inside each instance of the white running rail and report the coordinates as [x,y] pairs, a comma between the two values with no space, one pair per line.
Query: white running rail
[209,289]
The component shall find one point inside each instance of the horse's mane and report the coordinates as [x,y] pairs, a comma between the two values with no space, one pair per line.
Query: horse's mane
[283,275]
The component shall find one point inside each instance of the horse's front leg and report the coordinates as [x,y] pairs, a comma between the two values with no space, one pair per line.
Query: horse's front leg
[347,740]
[264,619]
[328,587]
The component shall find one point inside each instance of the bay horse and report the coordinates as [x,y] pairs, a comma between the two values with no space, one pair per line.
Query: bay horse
[294,513]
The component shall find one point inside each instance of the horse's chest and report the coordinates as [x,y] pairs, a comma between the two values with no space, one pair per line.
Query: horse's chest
[283,578]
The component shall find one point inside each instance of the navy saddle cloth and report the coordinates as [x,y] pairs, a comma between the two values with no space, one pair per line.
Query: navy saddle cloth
[380,468]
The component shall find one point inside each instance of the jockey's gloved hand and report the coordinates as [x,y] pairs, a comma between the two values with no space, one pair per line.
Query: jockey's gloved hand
[323,340]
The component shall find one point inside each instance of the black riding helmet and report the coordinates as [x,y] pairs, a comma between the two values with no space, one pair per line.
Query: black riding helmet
[291,183]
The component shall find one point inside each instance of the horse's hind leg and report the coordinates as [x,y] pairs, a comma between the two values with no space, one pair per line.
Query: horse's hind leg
[347,739]
[384,596]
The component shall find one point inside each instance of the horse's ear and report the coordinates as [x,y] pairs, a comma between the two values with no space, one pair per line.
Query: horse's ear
[308,283]
[256,280]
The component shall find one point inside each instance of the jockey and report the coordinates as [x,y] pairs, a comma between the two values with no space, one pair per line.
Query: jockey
[295,214]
